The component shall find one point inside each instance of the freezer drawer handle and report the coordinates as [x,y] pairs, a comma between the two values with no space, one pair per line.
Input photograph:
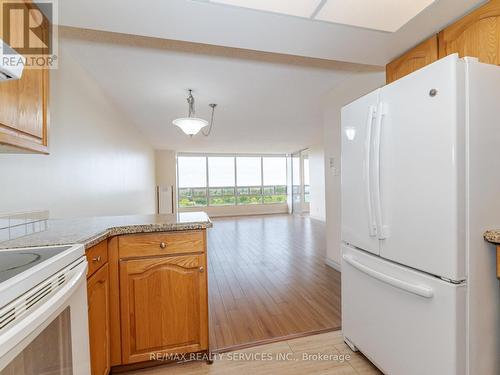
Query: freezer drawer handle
[400,284]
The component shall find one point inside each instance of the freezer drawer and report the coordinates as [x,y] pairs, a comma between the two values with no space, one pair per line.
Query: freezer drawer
[405,321]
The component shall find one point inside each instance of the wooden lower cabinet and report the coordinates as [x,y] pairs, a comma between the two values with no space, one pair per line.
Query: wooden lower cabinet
[147,294]
[98,310]
[164,306]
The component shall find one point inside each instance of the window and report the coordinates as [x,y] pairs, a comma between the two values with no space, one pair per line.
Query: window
[225,180]
[249,180]
[274,178]
[221,180]
[221,171]
[192,172]
[249,173]
[296,179]
[307,188]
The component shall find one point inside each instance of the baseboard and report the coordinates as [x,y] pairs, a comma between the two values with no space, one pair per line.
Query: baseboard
[240,210]
[274,339]
[333,264]
[317,218]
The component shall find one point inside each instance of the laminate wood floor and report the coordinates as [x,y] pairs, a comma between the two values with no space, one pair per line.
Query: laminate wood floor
[312,355]
[268,280]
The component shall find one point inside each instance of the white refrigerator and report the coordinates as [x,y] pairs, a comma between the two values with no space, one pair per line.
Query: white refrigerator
[420,185]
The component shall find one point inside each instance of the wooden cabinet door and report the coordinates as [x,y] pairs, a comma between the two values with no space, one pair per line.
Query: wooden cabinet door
[98,308]
[24,109]
[164,306]
[418,57]
[23,114]
[477,35]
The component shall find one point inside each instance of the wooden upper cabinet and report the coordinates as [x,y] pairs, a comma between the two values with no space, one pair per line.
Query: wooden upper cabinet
[99,323]
[418,57]
[477,35]
[24,109]
[164,306]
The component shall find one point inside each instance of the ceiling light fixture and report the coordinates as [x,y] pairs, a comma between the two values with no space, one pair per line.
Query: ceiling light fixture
[192,125]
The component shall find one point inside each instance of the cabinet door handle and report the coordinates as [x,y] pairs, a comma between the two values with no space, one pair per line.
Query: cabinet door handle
[163,245]
[96,259]
[201,269]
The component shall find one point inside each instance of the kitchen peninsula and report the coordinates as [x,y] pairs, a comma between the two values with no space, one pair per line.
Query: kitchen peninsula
[146,283]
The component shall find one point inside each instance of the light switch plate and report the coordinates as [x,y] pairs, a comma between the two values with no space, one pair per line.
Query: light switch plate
[333,166]
[332,162]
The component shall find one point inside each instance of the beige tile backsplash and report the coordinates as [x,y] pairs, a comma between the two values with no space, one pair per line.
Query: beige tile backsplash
[14,225]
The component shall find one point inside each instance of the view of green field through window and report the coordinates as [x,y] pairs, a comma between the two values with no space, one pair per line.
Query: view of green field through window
[231,180]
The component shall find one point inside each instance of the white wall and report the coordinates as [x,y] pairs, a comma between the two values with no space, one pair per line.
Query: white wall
[317,206]
[334,101]
[98,163]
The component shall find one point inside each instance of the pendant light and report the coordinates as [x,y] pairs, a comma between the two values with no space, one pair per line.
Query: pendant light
[192,125]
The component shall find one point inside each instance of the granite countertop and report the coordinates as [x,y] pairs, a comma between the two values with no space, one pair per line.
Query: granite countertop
[492,236]
[92,230]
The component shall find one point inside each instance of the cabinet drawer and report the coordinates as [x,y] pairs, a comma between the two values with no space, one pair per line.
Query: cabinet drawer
[97,256]
[152,244]
[432,318]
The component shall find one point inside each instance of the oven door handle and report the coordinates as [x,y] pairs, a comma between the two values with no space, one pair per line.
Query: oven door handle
[32,324]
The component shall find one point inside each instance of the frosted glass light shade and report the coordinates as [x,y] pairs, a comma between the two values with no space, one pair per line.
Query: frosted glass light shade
[190,125]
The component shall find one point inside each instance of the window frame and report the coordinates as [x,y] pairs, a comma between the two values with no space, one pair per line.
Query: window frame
[262,196]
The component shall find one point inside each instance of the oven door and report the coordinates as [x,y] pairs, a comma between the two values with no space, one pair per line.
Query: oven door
[46,330]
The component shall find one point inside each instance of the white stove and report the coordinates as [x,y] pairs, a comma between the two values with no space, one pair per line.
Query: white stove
[43,311]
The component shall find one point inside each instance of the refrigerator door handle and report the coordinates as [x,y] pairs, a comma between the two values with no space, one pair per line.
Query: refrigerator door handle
[368,171]
[381,112]
[419,290]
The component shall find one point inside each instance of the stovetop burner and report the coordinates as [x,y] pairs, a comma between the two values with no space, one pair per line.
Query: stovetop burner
[13,262]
